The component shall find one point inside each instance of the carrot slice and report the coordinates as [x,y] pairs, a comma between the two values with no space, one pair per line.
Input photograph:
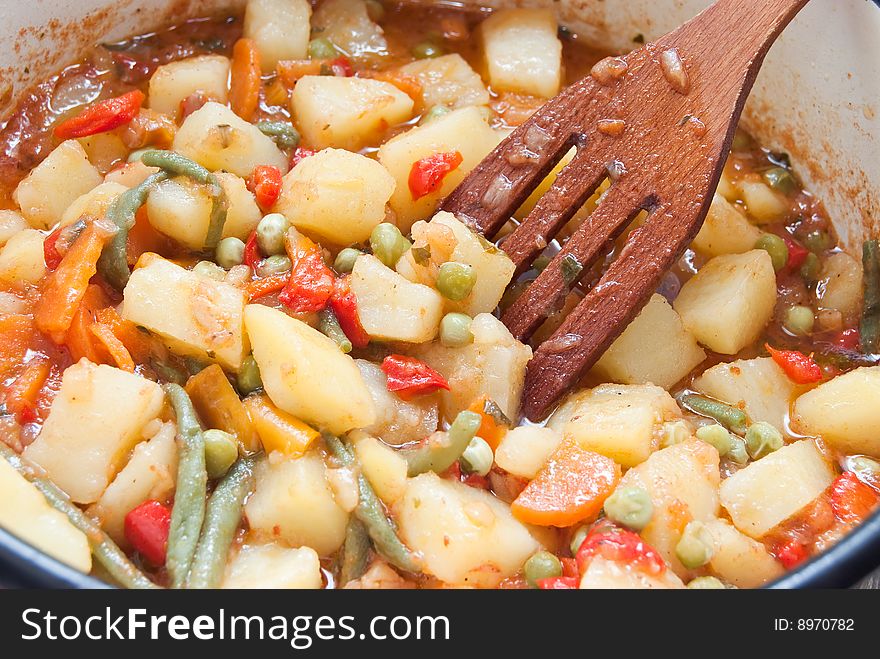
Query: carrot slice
[118,352]
[245,80]
[79,340]
[492,429]
[22,393]
[219,406]
[570,488]
[137,342]
[267,285]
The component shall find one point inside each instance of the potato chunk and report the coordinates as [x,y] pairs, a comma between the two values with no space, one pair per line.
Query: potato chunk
[336,195]
[347,113]
[11,223]
[762,203]
[196,316]
[845,412]
[730,301]
[347,24]
[397,421]
[274,566]
[94,203]
[524,450]
[774,488]
[383,466]
[464,131]
[739,560]
[392,308]
[243,215]
[54,184]
[174,82]
[604,574]
[180,208]
[682,481]
[448,80]
[840,285]
[22,258]
[725,231]
[280,28]
[523,52]
[217,138]
[758,386]
[95,420]
[622,422]
[654,349]
[305,373]
[465,536]
[292,501]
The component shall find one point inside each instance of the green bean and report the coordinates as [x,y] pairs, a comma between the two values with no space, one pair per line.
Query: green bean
[178,165]
[372,514]
[870,326]
[192,481]
[105,551]
[438,452]
[355,552]
[113,264]
[478,457]
[283,134]
[329,325]
[730,417]
[222,518]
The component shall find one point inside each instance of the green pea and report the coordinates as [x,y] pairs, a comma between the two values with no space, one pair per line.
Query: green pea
[695,548]
[229,252]
[781,180]
[427,50]
[455,330]
[762,439]
[810,269]
[738,453]
[209,270]
[270,234]
[718,436]
[249,379]
[388,244]
[435,112]
[706,583]
[221,450]
[322,48]
[630,507]
[817,241]
[478,457]
[344,262]
[274,265]
[776,248]
[578,539]
[456,280]
[799,320]
[375,10]
[541,565]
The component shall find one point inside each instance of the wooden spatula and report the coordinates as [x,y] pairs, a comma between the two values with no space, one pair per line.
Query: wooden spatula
[658,123]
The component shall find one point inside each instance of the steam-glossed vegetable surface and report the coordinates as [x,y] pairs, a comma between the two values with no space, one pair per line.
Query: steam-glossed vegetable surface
[239,346]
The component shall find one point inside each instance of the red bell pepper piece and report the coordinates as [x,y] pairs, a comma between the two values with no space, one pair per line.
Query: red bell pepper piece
[102,117]
[265,182]
[51,255]
[344,305]
[799,368]
[341,66]
[851,499]
[146,528]
[427,174]
[408,377]
[311,282]
[252,256]
[558,583]
[797,253]
[791,554]
[569,567]
[616,544]
[849,339]
[299,154]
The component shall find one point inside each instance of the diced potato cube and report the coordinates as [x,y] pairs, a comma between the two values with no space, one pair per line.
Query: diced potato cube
[243,215]
[523,52]
[466,536]
[26,513]
[448,80]
[305,373]
[604,574]
[392,308]
[758,386]
[464,131]
[149,475]
[11,223]
[739,560]
[654,349]
[95,420]
[622,422]
[196,316]
[384,468]
[725,231]
[840,285]
[494,366]
[280,28]
[682,481]
[730,301]
[347,113]
[347,24]
[130,174]
[845,412]
[105,150]
[762,203]
[217,138]
[274,566]
[174,82]
[336,195]
[180,208]
[776,487]
[524,450]
[22,258]
[54,184]
[397,421]
[94,203]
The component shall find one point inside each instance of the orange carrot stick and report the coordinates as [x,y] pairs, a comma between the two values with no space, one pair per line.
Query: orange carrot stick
[267,285]
[244,89]
[79,340]
[118,352]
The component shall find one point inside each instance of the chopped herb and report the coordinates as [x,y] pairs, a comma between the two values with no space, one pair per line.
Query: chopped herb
[639,38]
[571,269]
[491,408]
[421,255]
